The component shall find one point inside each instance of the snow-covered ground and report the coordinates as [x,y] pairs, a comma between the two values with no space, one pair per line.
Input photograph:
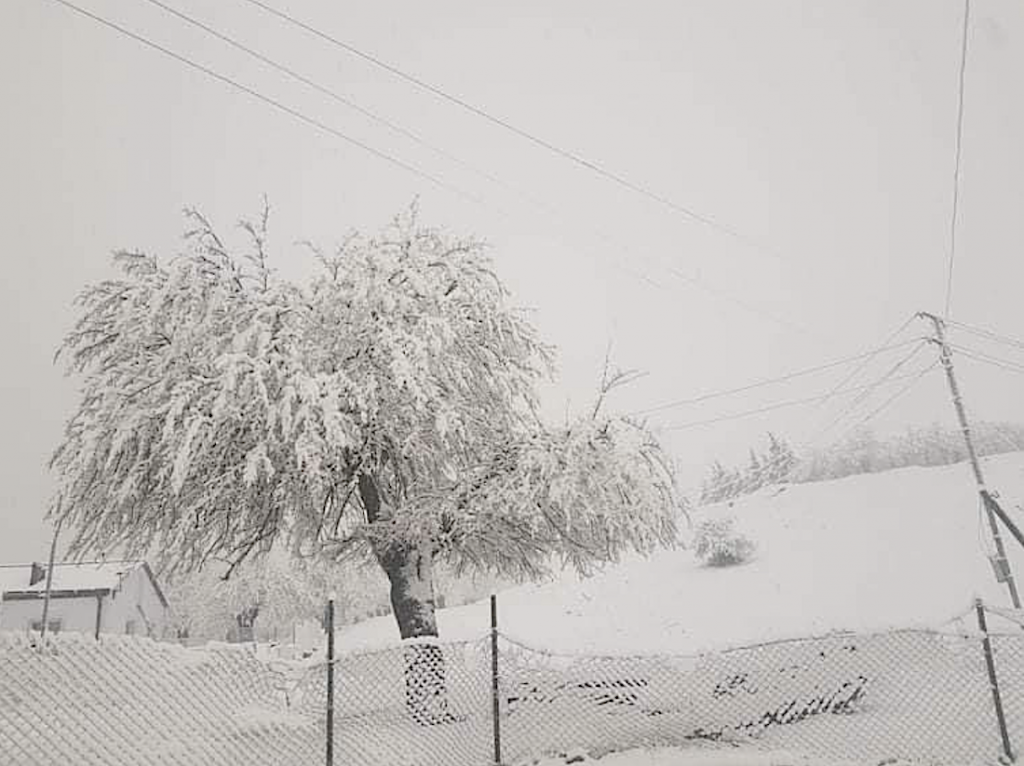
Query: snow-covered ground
[896,549]
[903,548]
[695,756]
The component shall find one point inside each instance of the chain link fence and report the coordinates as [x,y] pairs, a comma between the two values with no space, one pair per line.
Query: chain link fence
[127,701]
[422,703]
[917,695]
[907,694]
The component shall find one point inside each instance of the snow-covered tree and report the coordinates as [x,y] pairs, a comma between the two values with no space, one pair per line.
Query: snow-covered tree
[780,460]
[385,408]
[274,591]
[754,478]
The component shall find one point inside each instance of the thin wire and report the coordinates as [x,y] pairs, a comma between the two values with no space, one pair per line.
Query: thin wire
[767,467]
[776,406]
[753,308]
[333,94]
[956,166]
[804,451]
[479,112]
[915,379]
[760,383]
[299,115]
[868,390]
[268,100]
[870,358]
[552,211]
[987,359]
[989,334]
[693,281]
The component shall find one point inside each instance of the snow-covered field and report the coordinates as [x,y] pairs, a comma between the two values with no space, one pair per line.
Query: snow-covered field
[896,549]
[629,658]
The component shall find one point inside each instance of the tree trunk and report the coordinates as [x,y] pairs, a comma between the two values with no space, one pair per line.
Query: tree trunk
[410,571]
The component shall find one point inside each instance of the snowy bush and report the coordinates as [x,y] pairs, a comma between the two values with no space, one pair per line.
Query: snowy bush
[716,543]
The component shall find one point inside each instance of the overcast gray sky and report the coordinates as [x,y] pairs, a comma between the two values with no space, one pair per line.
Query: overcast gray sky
[823,132]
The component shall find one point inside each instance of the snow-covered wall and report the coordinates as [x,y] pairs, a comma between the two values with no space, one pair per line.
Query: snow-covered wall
[76,615]
[135,608]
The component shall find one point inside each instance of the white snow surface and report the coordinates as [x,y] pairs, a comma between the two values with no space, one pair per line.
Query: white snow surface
[694,756]
[903,548]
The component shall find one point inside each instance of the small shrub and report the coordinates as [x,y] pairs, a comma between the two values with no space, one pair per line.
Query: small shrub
[717,544]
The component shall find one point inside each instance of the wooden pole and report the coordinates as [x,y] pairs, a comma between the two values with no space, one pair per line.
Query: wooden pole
[990,501]
[99,614]
[49,579]
[946,357]
[495,691]
[993,680]
[330,680]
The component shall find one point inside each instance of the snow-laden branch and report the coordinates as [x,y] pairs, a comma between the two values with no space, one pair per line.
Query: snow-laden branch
[226,409]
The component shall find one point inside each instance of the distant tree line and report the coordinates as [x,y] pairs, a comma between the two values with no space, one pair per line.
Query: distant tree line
[863,451]
[769,465]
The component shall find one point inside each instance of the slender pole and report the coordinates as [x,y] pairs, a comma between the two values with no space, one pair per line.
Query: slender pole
[99,615]
[1007,521]
[495,693]
[946,357]
[993,681]
[330,680]
[49,579]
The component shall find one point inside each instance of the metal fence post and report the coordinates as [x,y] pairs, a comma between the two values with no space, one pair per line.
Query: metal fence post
[993,680]
[330,680]
[495,693]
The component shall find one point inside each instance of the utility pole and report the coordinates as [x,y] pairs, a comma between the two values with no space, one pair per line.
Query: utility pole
[330,678]
[1000,563]
[49,582]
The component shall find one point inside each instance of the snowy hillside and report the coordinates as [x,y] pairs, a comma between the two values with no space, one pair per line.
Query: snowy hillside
[901,548]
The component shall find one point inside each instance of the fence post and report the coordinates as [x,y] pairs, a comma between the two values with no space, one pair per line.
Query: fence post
[330,680]
[993,680]
[495,692]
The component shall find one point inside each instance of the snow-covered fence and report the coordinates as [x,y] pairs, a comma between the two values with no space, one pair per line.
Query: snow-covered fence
[123,701]
[424,702]
[906,694]
[918,695]
[915,695]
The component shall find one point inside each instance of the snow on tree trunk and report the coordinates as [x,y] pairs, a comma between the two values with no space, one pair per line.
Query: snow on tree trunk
[410,570]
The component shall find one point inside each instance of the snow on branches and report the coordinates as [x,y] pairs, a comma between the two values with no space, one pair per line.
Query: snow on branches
[389,401]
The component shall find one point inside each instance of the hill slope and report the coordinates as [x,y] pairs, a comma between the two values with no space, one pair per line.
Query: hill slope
[901,548]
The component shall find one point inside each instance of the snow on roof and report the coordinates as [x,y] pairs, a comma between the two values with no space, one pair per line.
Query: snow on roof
[84,576]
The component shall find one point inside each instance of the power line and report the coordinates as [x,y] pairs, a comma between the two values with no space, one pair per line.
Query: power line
[769,466]
[693,281]
[329,92]
[506,125]
[956,165]
[775,406]
[914,380]
[995,361]
[870,389]
[270,101]
[766,382]
[989,334]
[333,94]
[318,124]
[804,452]
[348,102]
[871,356]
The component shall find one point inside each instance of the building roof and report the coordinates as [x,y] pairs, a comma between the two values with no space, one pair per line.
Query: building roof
[87,577]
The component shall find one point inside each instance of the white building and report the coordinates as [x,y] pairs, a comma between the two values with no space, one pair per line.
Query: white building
[91,597]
